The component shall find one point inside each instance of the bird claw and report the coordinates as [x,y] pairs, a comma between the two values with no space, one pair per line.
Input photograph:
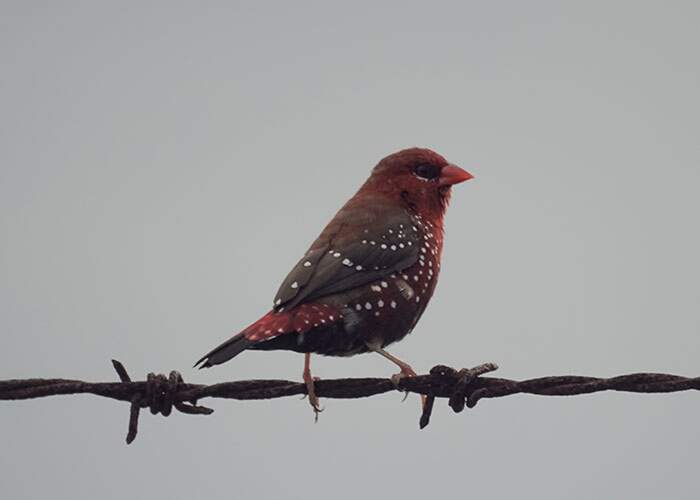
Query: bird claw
[313,398]
[316,407]
[396,379]
[315,379]
[406,371]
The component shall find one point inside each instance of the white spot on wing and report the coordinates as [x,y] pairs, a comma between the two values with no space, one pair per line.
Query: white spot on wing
[405,289]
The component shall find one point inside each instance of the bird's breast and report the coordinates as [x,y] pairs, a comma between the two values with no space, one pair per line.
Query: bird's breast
[388,309]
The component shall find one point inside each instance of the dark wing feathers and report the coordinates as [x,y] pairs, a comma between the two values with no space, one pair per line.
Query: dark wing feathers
[298,278]
[356,248]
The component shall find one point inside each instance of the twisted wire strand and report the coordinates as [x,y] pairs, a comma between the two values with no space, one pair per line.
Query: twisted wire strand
[463,388]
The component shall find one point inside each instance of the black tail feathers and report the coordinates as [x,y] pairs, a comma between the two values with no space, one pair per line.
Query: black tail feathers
[233,346]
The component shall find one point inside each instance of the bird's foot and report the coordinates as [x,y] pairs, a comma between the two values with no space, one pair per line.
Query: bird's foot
[311,392]
[406,371]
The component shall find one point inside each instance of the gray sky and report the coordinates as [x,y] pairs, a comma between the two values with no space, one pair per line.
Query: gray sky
[163,165]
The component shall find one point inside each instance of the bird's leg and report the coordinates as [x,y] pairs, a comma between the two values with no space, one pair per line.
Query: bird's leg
[310,388]
[406,370]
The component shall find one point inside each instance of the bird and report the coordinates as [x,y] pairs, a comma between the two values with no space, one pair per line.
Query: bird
[364,283]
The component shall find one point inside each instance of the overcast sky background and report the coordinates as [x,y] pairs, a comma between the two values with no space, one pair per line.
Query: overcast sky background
[164,164]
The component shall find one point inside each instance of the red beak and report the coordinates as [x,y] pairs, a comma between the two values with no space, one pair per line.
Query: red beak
[452,174]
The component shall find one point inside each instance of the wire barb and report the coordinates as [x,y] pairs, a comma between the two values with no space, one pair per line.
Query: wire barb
[465,387]
[159,396]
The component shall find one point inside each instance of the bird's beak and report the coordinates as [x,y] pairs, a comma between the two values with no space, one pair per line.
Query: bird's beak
[452,174]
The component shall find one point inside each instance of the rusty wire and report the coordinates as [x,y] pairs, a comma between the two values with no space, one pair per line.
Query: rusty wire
[462,388]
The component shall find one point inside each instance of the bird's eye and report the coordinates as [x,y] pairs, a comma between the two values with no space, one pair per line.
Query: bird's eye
[427,171]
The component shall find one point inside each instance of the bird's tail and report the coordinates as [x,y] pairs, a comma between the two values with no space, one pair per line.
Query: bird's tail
[233,346]
[267,327]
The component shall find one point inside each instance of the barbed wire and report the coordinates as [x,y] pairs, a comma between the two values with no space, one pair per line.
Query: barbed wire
[463,388]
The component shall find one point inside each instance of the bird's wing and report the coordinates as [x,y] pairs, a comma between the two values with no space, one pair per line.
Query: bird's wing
[358,247]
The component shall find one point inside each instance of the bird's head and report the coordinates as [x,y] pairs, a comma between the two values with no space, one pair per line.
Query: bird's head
[419,178]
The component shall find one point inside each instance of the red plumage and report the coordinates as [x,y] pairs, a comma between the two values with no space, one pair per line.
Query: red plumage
[368,277]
